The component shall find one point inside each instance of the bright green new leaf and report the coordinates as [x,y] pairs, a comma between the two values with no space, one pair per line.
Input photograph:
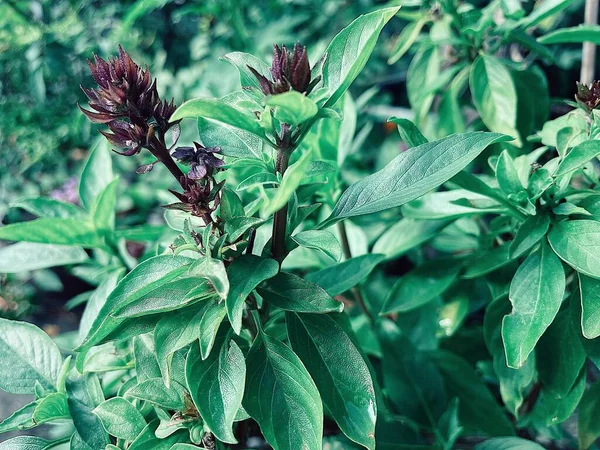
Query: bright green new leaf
[292,293]
[28,356]
[339,371]
[245,274]
[578,156]
[282,397]
[120,418]
[242,61]
[75,232]
[340,277]
[218,110]
[348,52]
[96,175]
[577,242]
[322,240]
[24,256]
[411,174]
[292,107]
[536,293]
[507,175]
[495,95]
[216,385]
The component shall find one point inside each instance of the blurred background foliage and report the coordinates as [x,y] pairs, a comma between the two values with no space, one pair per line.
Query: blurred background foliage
[44,44]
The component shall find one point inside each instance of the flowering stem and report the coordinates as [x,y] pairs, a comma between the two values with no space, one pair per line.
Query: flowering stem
[163,155]
[278,247]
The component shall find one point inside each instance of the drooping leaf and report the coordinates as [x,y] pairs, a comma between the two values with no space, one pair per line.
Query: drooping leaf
[217,386]
[245,274]
[292,293]
[282,397]
[28,357]
[412,174]
[536,293]
[339,371]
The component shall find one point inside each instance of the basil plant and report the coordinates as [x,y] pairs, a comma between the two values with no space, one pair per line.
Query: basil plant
[267,311]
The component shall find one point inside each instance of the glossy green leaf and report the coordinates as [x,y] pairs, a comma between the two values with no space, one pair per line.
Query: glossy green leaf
[529,233]
[589,289]
[218,110]
[536,293]
[232,141]
[216,385]
[154,391]
[339,371]
[292,107]
[589,409]
[120,418]
[406,39]
[167,297]
[423,73]
[292,293]
[282,397]
[209,326]
[146,363]
[420,286]
[578,156]
[28,356]
[507,175]
[450,205]
[103,212]
[322,240]
[348,52]
[409,132]
[96,175]
[147,439]
[576,243]
[19,420]
[578,34]
[25,443]
[146,277]
[341,277]
[24,256]
[241,61]
[49,208]
[245,274]
[407,234]
[75,232]
[173,332]
[487,261]
[545,9]
[495,95]
[411,174]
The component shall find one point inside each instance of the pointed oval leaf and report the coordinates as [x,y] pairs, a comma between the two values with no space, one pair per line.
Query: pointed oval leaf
[120,418]
[577,242]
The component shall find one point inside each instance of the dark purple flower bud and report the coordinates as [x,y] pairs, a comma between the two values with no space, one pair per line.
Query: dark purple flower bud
[588,96]
[201,159]
[289,71]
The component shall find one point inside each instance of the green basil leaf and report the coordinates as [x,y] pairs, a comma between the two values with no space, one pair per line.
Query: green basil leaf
[322,240]
[420,286]
[487,261]
[542,11]
[143,279]
[220,111]
[96,175]
[344,382]
[341,277]
[120,418]
[103,212]
[507,175]
[292,293]
[209,326]
[216,385]
[574,241]
[75,232]
[28,356]
[529,233]
[536,293]
[241,61]
[450,205]
[406,39]
[147,439]
[348,52]
[423,73]
[589,289]
[19,420]
[495,95]
[292,107]
[24,256]
[154,391]
[49,208]
[245,274]
[578,34]
[282,397]
[25,443]
[84,394]
[411,174]
[146,363]
[173,332]
[232,141]
[578,157]
[409,132]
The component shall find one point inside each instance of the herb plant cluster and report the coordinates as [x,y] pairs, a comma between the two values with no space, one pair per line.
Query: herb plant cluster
[266,312]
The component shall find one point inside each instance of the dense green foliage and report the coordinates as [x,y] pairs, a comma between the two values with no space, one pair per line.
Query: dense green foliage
[325,268]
